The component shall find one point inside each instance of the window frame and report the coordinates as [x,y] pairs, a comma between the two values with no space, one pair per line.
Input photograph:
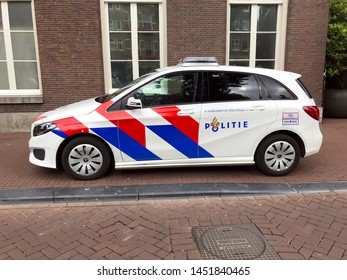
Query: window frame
[134,37]
[282,15]
[13,94]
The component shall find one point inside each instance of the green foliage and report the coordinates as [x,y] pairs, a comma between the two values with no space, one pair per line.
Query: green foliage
[336,56]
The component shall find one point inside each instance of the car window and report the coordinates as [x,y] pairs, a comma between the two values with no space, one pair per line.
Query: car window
[178,88]
[232,86]
[276,90]
[108,97]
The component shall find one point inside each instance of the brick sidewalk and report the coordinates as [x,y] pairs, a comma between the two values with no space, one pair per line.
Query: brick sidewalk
[328,165]
[298,226]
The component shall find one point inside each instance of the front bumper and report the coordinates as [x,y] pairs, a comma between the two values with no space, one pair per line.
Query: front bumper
[43,149]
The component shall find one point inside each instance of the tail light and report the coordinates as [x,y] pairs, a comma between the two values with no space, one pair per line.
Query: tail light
[312,111]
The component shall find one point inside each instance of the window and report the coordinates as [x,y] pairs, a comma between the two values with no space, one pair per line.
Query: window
[276,90]
[179,88]
[230,86]
[133,40]
[257,33]
[18,51]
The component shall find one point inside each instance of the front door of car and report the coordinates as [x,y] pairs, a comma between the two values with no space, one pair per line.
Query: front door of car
[160,120]
[235,113]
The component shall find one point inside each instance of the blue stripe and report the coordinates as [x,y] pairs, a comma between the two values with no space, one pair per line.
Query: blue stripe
[134,149]
[203,153]
[125,143]
[179,141]
[59,133]
[110,134]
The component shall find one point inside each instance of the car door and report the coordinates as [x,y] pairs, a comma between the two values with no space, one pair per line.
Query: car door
[160,120]
[235,113]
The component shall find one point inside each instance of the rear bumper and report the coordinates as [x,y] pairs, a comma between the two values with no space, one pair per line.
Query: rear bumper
[314,144]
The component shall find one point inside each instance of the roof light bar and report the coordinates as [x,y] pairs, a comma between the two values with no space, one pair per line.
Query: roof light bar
[200,60]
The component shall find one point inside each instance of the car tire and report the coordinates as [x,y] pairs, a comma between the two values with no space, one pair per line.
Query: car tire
[86,158]
[277,155]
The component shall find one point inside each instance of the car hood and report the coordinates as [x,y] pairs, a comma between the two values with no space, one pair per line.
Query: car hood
[72,110]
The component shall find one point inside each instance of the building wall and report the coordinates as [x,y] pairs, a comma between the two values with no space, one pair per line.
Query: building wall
[70,53]
[196,27]
[306,42]
[70,44]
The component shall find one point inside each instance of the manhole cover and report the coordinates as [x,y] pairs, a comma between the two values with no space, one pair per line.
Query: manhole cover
[233,242]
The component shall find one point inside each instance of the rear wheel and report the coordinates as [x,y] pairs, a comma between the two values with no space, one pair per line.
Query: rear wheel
[277,155]
[86,158]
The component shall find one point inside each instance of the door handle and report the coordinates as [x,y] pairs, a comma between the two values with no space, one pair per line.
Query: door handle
[257,108]
[185,112]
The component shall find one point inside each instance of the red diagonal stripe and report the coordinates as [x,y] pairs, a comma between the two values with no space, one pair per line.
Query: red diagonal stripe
[111,116]
[124,121]
[71,126]
[131,126]
[185,124]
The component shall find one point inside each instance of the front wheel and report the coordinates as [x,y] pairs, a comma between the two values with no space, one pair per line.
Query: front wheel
[86,158]
[277,155]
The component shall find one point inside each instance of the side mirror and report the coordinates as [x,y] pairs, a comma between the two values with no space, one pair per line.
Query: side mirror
[134,103]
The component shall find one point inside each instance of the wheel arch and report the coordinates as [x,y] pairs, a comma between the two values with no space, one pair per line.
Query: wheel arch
[292,134]
[62,146]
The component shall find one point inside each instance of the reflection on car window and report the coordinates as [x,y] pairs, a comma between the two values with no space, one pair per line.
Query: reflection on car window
[276,90]
[170,89]
[231,86]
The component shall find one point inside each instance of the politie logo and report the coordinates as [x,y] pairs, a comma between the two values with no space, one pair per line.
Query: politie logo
[215,125]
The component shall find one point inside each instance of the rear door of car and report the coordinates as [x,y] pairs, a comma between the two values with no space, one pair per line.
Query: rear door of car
[235,113]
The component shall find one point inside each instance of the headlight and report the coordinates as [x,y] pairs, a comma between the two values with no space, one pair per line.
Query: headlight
[43,128]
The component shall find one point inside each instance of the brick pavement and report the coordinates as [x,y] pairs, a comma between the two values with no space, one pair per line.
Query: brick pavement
[329,165]
[299,226]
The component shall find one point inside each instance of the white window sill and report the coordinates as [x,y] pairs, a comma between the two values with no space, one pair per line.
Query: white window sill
[21,99]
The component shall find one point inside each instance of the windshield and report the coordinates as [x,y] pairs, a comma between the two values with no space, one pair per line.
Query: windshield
[105,98]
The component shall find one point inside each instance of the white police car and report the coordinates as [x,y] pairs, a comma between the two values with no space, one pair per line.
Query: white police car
[194,114]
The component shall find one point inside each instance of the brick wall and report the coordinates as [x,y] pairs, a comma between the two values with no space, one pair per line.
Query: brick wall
[70,52]
[306,42]
[196,27]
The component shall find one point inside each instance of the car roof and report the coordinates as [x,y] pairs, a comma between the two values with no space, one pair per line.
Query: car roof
[241,69]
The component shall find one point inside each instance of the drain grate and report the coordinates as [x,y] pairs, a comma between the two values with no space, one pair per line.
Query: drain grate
[233,242]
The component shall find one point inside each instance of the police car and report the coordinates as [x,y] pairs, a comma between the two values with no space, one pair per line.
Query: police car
[197,113]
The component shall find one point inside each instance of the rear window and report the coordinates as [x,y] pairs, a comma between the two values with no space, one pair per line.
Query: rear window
[276,90]
[301,84]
